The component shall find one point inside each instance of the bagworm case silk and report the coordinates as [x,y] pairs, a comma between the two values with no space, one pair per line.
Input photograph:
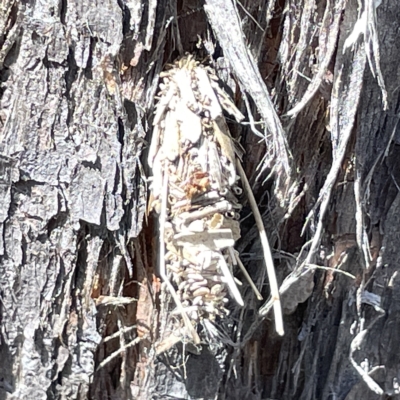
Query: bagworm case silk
[194,190]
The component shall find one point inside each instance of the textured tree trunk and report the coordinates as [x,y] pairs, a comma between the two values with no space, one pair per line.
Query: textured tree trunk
[80,311]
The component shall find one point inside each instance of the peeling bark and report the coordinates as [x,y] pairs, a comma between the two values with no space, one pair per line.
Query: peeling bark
[80,301]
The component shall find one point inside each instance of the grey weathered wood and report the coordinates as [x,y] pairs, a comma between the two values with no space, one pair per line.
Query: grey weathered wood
[64,194]
[78,81]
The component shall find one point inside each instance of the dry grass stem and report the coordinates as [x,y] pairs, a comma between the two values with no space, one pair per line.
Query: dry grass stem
[275,298]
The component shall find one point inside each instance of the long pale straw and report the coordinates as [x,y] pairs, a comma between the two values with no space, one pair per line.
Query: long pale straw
[275,298]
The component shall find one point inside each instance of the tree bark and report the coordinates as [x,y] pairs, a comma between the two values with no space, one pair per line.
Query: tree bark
[80,308]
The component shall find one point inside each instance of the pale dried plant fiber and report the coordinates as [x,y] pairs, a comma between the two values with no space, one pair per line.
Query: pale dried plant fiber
[194,190]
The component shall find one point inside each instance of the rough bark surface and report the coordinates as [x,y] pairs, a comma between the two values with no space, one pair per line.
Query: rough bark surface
[79,293]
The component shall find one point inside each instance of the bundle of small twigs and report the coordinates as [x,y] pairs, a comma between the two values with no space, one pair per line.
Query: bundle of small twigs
[194,190]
